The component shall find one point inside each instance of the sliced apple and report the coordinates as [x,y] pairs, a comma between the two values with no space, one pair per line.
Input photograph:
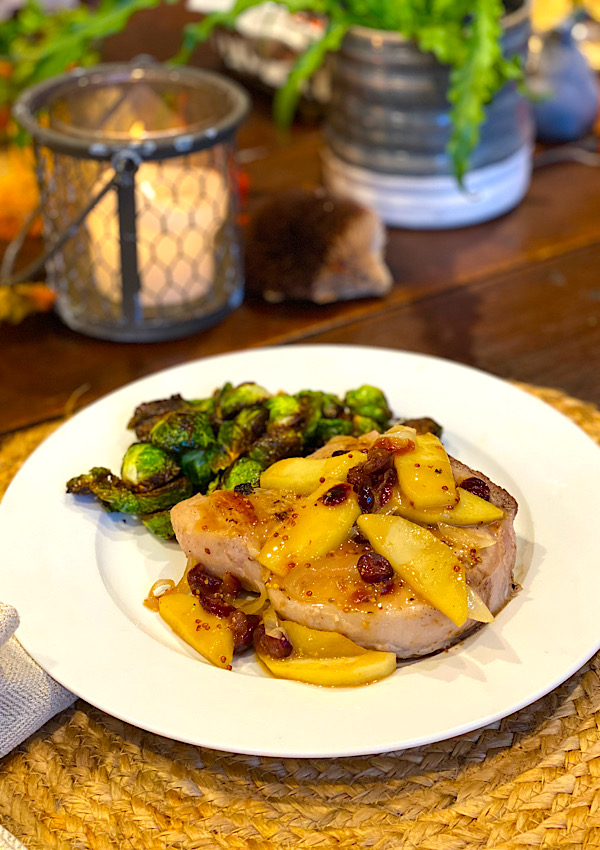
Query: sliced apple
[302,475]
[207,634]
[316,643]
[429,566]
[346,671]
[314,529]
[425,475]
[469,510]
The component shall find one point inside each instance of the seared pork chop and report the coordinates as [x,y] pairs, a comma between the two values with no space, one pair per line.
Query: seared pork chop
[330,595]
[226,530]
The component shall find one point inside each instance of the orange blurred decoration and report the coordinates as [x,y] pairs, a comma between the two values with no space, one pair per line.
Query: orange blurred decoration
[18,191]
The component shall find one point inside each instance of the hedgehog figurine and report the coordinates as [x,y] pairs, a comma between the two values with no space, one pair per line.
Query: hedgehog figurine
[314,246]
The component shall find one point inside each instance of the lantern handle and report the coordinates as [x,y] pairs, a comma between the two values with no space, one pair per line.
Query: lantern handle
[7,278]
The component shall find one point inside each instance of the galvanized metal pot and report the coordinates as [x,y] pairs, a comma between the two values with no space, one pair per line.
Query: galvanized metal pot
[388,125]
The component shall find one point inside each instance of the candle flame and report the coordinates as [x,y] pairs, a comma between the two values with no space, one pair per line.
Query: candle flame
[147,190]
[137,129]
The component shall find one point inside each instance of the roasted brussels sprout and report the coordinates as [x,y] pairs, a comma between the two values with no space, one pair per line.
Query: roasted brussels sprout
[283,434]
[369,401]
[182,430]
[283,409]
[115,496]
[159,523]
[242,471]
[146,415]
[328,428]
[197,465]
[424,425]
[332,407]
[225,441]
[229,400]
[204,405]
[146,466]
[276,444]
[237,435]
[315,406]
[364,424]
[234,438]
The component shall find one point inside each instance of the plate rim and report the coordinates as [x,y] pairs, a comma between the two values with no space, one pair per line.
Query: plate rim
[278,748]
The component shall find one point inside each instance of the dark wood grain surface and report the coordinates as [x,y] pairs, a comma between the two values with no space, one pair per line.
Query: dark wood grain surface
[518,296]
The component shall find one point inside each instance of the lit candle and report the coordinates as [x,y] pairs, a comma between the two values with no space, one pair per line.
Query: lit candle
[179,213]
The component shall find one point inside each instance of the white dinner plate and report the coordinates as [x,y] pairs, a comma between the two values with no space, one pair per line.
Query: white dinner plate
[78,576]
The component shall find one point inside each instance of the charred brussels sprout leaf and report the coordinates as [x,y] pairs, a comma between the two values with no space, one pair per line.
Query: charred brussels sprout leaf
[229,400]
[234,438]
[370,402]
[242,471]
[284,435]
[114,494]
[332,406]
[316,406]
[197,465]
[147,414]
[276,444]
[237,435]
[424,425]
[204,405]
[159,524]
[146,466]
[182,430]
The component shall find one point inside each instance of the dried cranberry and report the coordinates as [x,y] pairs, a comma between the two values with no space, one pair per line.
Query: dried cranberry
[355,475]
[231,584]
[385,490]
[361,594]
[388,587]
[374,568]
[215,603]
[199,580]
[357,536]
[374,479]
[378,459]
[477,487]
[336,495]
[243,625]
[276,647]
[366,499]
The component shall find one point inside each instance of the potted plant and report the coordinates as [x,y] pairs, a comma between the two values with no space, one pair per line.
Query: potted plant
[415,86]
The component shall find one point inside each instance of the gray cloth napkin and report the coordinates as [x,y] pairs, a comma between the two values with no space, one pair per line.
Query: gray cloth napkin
[28,695]
[9,842]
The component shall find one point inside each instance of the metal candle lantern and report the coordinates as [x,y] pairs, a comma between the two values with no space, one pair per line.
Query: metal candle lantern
[139,197]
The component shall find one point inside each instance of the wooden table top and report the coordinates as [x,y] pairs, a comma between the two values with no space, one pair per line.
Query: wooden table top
[518,296]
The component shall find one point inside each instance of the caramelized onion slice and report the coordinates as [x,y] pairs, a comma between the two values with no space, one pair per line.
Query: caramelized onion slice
[272,624]
[161,586]
[467,537]
[478,610]
[254,604]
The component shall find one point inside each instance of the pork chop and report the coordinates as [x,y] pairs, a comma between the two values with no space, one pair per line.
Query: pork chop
[330,595]
[225,531]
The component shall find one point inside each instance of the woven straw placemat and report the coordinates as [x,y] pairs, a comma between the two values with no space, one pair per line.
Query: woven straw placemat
[87,780]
